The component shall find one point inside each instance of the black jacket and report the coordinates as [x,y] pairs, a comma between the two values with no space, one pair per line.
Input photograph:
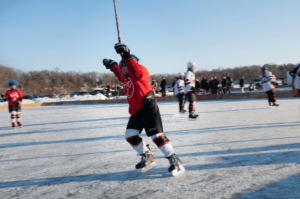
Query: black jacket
[229,81]
[215,84]
[241,82]
[224,83]
[204,84]
[163,83]
[197,85]
[210,84]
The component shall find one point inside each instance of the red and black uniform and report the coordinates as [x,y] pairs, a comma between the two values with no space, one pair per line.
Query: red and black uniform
[14,97]
[142,108]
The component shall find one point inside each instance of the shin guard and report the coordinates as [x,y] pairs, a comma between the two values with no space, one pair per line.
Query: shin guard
[163,143]
[132,136]
[13,116]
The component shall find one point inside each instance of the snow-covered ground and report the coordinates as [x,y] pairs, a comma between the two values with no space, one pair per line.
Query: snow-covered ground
[237,149]
[99,96]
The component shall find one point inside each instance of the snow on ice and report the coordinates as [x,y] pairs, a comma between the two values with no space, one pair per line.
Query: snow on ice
[237,149]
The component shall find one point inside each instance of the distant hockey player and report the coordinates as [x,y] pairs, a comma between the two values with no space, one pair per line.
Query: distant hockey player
[295,73]
[190,90]
[267,82]
[14,98]
[179,91]
[143,110]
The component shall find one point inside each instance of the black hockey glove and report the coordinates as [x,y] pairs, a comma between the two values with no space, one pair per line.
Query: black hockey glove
[108,63]
[17,103]
[123,50]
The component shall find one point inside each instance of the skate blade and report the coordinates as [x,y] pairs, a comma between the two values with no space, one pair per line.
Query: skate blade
[193,119]
[180,170]
[147,168]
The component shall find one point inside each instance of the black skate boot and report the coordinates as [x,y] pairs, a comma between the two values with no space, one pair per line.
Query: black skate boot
[182,111]
[193,116]
[275,105]
[147,162]
[176,167]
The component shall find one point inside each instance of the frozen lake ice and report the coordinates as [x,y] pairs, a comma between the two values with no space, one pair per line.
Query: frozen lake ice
[237,149]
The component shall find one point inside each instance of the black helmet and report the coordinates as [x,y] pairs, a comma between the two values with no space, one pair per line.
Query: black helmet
[264,68]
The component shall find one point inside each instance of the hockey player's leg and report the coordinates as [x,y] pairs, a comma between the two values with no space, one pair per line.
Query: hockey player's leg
[181,103]
[192,99]
[147,159]
[19,119]
[164,144]
[13,118]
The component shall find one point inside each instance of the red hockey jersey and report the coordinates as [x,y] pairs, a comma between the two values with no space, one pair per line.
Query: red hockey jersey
[13,96]
[136,86]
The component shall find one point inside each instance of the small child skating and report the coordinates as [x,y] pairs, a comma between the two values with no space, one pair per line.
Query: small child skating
[14,97]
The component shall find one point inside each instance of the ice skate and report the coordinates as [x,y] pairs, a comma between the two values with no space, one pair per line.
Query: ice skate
[182,111]
[176,167]
[147,162]
[13,125]
[193,116]
[20,125]
[275,105]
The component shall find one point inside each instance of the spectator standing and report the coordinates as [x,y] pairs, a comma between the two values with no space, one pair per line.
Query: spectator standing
[204,84]
[117,90]
[107,90]
[215,85]
[224,84]
[210,84]
[198,86]
[163,85]
[242,84]
[229,82]
[154,84]
[175,80]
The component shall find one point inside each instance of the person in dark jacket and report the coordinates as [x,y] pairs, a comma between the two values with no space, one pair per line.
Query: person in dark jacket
[198,87]
[163,85]
[229,82]
[175,80]
[224,84]
[204,84]
[210,84]
[242,84]
[215,85]
[107,90]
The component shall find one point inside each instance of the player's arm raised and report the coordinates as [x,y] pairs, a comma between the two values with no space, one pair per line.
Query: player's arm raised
[129,60]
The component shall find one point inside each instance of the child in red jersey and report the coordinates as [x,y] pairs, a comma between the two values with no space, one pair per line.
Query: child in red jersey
[14,97]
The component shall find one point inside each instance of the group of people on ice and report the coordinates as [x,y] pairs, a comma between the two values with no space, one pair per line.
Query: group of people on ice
[143,108]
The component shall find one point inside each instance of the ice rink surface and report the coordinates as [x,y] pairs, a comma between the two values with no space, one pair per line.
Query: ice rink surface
[237,149]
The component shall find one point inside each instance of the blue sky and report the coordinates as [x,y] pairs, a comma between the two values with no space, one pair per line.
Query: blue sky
[164,34]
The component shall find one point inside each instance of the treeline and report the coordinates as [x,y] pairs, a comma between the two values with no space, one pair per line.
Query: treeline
[248,72]
[56,82]
[53,82]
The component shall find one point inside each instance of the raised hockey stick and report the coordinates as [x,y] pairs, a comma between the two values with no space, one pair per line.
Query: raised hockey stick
[117,21]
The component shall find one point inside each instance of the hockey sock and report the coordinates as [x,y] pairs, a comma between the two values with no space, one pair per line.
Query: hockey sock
[163,143]
[180,105]
[191,107]
[273,98]
[132,136]
[19,118]
[13,116]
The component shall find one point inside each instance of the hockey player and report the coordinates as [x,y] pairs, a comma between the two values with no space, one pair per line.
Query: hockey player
[179,91]
[295,73]
[143,110]
[190,90]
[266,79]
[14,98]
